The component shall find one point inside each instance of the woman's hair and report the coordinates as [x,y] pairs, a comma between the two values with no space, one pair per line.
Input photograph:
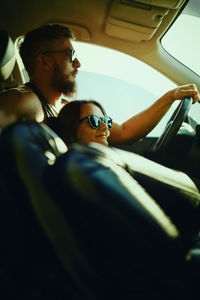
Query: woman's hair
[68,119]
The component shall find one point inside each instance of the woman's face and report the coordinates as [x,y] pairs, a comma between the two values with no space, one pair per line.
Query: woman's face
[87,134]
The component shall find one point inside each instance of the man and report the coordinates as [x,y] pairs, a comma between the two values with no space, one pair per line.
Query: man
[50,61]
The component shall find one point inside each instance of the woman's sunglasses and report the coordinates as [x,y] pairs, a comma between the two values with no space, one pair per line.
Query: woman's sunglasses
[95,121]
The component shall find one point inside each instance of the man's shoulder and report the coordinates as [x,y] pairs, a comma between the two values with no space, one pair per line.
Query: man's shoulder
[17,103]
[20,93]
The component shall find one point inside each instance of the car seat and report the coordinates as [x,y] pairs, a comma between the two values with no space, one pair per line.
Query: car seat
[29,268]
[79,222]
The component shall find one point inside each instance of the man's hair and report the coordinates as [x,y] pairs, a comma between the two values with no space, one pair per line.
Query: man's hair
[40,40]
[68,119]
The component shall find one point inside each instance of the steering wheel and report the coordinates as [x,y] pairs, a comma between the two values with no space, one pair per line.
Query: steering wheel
[174,124]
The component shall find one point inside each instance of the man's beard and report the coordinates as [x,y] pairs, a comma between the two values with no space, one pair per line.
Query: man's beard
[61,84]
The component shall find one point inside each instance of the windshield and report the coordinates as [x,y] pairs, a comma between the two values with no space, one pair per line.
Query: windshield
[124,85]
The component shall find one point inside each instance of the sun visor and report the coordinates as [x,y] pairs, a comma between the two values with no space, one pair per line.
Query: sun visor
[172,4]
[137,20]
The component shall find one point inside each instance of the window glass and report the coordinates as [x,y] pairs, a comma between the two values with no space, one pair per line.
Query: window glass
[125,86]
[182,39]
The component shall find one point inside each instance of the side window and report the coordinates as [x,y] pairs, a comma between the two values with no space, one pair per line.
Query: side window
[181,40]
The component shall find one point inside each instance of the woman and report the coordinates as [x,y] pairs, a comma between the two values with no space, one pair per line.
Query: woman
[83,121]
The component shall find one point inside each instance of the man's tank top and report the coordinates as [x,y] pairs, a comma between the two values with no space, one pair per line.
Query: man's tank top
[48,109]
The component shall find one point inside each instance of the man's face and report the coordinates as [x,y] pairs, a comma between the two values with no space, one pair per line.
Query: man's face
[64,70]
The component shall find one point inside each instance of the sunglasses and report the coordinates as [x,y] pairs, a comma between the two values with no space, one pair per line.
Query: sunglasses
[69,52]
[95,121]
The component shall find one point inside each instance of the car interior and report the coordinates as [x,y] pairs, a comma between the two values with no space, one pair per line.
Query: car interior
[91,222]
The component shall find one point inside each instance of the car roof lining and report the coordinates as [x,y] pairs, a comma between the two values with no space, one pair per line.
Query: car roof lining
[90,24]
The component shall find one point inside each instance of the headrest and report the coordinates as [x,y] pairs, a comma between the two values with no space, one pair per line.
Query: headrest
[7,55]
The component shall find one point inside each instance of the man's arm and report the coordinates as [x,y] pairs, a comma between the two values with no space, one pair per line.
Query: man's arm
[19,103]
[141,124]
